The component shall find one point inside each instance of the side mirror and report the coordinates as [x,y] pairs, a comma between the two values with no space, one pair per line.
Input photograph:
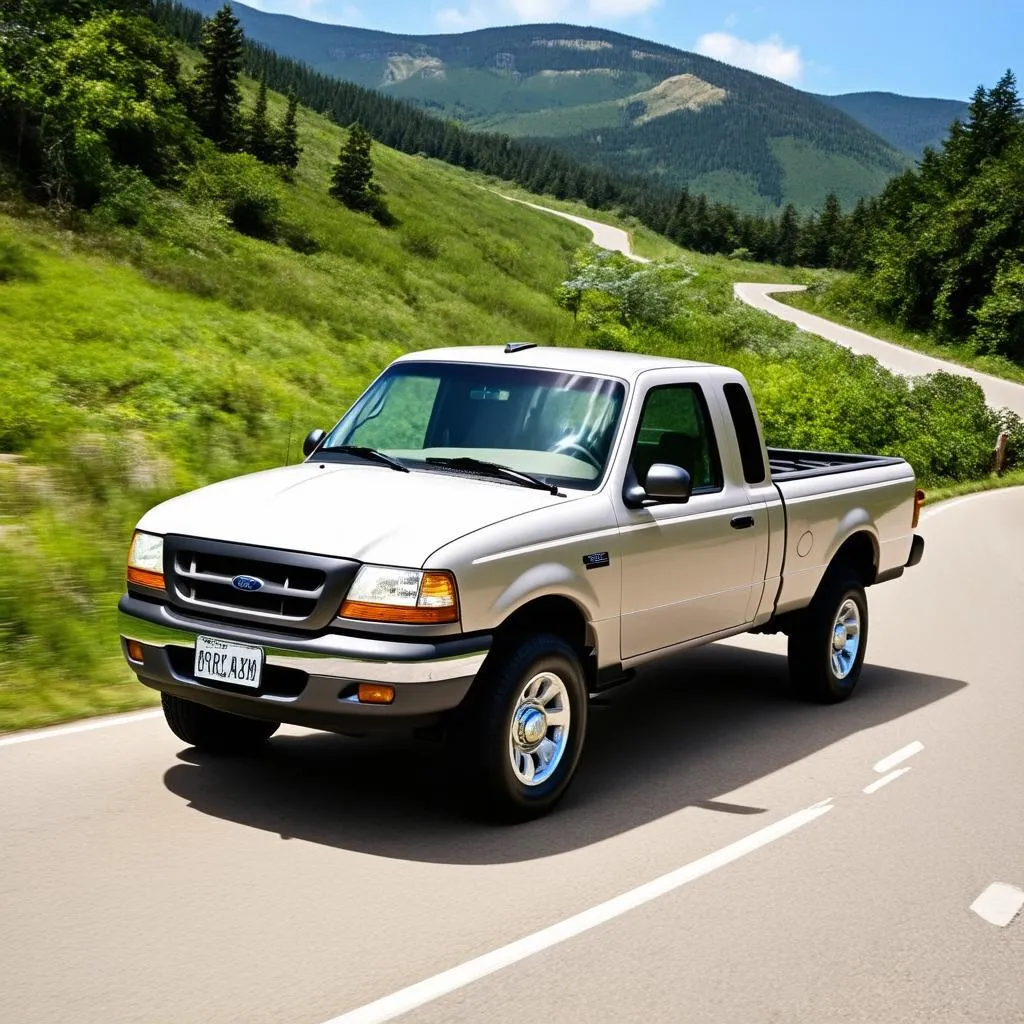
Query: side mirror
[314,439]
[669,485]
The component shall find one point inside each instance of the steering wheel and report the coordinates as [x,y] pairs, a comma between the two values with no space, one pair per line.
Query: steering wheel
[575,448]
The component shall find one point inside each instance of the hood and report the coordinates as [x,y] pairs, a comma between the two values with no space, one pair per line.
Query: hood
[369,513]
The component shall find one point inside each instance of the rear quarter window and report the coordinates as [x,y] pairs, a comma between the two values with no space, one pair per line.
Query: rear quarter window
[745,424]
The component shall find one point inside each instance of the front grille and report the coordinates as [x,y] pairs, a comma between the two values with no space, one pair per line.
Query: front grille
[298,591]
[289,592]
[275,682]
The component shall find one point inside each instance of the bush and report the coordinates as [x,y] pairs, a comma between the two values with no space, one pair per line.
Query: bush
[131,200]
[15,262]
[246,192]
[421,243]
[299,240]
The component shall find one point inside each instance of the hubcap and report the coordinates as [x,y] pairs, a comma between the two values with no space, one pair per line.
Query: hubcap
[845,639]
[539,730]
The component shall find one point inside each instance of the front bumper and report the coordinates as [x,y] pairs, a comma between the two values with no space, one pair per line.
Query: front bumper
[307,681]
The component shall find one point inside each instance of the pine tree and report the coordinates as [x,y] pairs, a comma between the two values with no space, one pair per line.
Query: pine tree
[260,139]
[352,183]
[288,148]
[787,244]
[217,96]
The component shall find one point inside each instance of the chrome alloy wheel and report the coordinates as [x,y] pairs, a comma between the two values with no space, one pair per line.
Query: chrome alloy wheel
[845,639]
[539,731]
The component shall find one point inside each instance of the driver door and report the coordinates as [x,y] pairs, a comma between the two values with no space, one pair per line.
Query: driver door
[688,570]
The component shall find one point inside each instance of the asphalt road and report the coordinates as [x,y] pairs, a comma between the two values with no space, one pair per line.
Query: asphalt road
[142,882]
[998,393]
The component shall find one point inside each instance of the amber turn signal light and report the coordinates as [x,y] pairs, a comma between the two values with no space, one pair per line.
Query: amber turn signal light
[135,651]
[145,578]
[919,500]
[374,693]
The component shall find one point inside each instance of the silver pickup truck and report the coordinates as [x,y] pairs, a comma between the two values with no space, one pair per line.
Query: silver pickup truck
[490,537]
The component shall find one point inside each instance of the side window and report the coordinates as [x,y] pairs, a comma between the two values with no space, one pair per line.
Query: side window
[754,471]
[675,428]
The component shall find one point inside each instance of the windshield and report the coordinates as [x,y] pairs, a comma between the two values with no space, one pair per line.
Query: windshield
[555,426]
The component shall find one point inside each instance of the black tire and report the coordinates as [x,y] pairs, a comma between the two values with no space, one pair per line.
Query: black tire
[812,668]
[479,742]
[214,732]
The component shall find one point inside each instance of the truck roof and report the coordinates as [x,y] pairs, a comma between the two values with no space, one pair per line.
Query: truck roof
[624,365]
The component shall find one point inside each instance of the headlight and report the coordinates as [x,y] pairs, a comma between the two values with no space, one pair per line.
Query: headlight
[146,561]
[402,596]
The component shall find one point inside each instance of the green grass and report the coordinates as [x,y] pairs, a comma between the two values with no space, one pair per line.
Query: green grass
[139,363]
[839,297]
[989,483]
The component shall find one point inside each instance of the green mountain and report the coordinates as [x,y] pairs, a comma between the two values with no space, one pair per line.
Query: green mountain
[908,123]
[631,106]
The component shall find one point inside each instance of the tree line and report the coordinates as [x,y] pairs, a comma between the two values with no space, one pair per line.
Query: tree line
[943,250]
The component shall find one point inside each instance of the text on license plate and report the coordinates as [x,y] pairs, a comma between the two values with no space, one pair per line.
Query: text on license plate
[223,662]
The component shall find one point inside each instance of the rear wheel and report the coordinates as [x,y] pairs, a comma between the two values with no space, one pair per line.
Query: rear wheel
[215,732]
[827,646]
[520,734]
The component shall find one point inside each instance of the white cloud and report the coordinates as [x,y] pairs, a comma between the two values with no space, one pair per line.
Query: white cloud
[620,8]
[323,11]
[504,12]
[769,57]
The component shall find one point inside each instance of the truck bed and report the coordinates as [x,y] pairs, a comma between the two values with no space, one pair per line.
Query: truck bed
[791,464]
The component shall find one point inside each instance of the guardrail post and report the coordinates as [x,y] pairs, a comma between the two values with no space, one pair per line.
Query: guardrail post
[1000,453]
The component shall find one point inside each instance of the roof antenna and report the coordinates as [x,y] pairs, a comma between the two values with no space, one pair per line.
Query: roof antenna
[514,347]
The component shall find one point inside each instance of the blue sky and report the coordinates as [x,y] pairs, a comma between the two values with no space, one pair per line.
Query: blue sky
[915,47]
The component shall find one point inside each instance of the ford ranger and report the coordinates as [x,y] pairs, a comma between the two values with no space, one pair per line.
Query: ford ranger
[489,538]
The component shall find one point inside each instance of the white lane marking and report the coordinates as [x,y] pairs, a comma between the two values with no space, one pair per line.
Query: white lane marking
[70,730]
[880,783]
[901,755]
[999,904]
[427,991]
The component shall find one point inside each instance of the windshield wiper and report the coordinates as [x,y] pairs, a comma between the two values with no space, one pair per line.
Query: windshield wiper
[371,455]
[494,469]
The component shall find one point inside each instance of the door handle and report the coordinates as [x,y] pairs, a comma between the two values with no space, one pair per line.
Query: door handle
[743,523]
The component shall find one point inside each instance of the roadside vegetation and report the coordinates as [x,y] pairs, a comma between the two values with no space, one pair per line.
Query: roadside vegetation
[846,298]
[172,321]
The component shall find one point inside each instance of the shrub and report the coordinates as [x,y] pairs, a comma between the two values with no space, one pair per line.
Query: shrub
[130,200]
[421,243]
[299,240]
[247,193]
[15,262]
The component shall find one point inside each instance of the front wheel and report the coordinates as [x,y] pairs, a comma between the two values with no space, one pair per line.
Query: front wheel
[212,731]
[520,734]
[826,648]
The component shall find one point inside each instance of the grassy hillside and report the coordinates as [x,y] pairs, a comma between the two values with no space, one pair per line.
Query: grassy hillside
[139,362]
[908,123]
[625,104]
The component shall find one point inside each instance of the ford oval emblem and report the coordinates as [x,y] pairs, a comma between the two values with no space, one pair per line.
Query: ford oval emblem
[247,583]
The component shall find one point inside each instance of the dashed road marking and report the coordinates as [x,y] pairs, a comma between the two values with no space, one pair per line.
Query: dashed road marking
[880,783]
[999,904]
[904,754]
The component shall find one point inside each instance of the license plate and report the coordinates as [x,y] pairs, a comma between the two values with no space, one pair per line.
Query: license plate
[221,662]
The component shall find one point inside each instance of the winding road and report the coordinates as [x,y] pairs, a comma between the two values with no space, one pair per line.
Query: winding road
[726,854]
